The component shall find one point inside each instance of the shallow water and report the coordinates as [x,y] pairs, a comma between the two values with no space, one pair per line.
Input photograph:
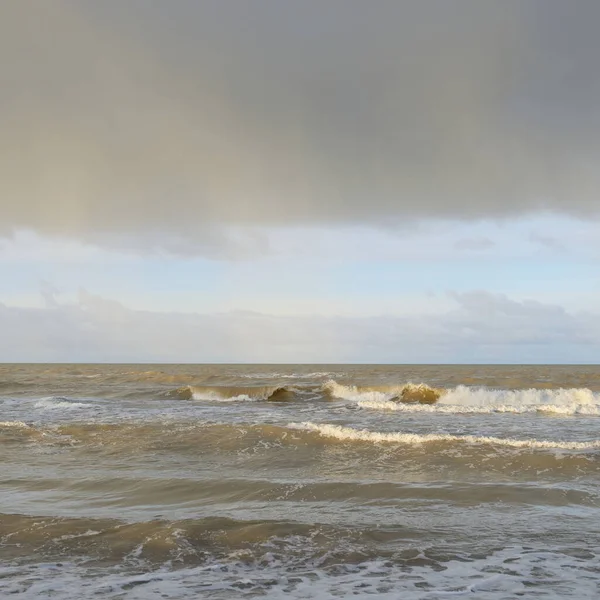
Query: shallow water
[138,481]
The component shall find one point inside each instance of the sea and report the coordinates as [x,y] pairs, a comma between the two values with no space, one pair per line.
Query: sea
[299,481]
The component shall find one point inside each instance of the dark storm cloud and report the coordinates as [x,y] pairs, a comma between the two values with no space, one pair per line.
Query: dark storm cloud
[160,120]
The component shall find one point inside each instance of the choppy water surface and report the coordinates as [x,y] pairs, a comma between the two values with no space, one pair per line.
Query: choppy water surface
[131,481]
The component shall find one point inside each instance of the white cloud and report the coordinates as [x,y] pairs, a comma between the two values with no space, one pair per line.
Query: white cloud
[482,327]
[547,241]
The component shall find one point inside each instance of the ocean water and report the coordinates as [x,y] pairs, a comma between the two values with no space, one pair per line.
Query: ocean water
[270,481]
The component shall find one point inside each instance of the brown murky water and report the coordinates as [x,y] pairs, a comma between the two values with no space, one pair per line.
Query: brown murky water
[184,481]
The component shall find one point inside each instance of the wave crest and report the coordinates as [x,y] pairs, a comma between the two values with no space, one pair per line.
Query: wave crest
[342,433]
[463,399]
[236,393]
[408,393]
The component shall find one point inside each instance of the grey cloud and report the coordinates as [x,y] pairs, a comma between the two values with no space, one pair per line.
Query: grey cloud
[494,319]
[215,242]
[48,293]
[483,327]
[154,121]
[547,241]
[474,244]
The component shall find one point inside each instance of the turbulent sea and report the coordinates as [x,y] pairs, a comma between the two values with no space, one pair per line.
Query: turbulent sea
[270,481]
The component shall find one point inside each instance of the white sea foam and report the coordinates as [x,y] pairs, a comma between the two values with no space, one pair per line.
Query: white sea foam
[462,399]
[239,393]
[351,392]
[214,397]
[407,392]
[512,571]
[15,424]
[59,403]
[274,375]
[363,435]
[558,409]
[481,396]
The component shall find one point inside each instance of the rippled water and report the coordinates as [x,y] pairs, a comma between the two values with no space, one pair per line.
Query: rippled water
[296,481]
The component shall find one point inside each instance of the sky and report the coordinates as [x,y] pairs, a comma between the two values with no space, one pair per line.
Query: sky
[341,181]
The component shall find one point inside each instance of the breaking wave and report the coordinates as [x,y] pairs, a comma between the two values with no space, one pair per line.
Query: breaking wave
[267,393]
[226,436]
[13,424]
[265,448]
[232,558]
[296,567]
[411,397]
[462,399]
[406,393]
[363,435]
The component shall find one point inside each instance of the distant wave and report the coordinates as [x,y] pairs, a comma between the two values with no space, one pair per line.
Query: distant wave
[363,435]
[58,403]
[159,377]
[11,385]
[314,375]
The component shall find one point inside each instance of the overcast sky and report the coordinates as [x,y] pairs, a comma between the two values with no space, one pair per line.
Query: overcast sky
[300,181]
